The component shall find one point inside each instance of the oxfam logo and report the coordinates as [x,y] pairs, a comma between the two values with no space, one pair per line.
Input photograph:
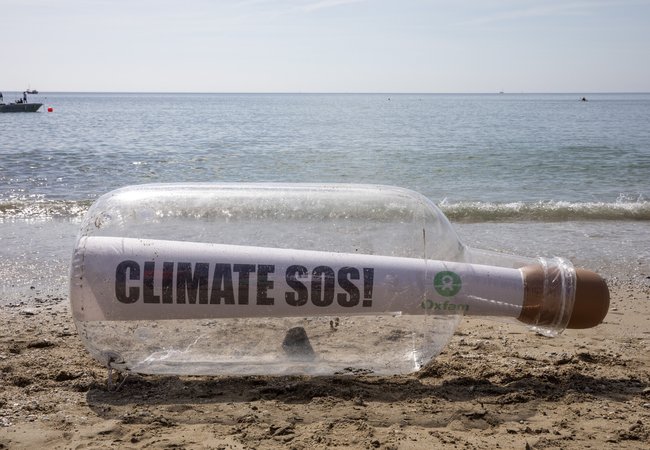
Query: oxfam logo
[447,283]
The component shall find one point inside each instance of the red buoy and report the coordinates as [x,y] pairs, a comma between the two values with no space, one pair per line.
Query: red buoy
[50,109]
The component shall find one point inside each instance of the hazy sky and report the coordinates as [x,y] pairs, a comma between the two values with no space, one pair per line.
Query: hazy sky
[325,45]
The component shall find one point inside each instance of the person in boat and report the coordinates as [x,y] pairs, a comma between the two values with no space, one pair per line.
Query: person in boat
[1,99]
[24,97]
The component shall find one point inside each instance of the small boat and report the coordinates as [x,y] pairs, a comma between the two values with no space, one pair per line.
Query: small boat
[19,107]
[31,91]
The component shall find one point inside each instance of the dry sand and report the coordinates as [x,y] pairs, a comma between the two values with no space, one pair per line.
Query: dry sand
[495,386]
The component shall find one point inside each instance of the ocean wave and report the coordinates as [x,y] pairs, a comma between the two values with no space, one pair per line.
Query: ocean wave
[43,209]
[545,211]
[468,212]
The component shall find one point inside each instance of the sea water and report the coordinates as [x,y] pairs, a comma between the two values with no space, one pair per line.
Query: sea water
[530,174]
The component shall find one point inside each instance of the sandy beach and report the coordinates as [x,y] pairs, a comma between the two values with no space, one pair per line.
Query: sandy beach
[495,386]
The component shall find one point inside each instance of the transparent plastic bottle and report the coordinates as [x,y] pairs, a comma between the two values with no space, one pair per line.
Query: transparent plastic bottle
[296,279]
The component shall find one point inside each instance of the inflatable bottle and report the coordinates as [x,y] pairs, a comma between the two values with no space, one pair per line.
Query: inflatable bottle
[206,279]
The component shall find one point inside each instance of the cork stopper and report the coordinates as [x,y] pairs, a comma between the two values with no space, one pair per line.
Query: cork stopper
[542,306]
[591,302]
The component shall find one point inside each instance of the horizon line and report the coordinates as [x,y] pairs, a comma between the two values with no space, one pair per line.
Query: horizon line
[333,92]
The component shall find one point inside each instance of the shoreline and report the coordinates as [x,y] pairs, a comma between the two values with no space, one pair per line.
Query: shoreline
[494,385]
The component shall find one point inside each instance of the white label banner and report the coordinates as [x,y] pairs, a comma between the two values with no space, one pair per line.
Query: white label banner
[116,278]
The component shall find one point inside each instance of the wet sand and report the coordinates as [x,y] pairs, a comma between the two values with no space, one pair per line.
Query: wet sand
[495,386]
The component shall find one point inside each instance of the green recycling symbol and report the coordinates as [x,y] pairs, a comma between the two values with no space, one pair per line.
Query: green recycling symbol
[447,283]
